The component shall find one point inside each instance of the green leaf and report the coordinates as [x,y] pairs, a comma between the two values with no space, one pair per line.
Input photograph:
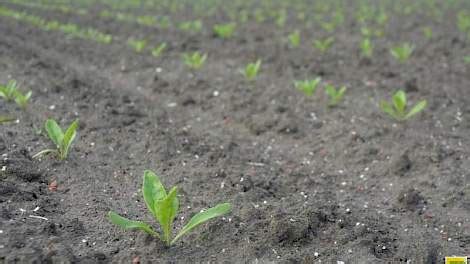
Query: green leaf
[166,210]
[4,119]
[68,138]
[330,90]
[55,132]
[399,102]
[130,224]
[341,92]
[3,91]
[152,190]
[203,217]
[387,108]
[21,99]
[416,109]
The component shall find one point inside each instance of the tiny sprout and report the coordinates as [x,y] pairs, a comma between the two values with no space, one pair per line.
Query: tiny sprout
[9,91]
[397,108]
[251,70]
[191,26]
[403,52]
[137,45]
[195,60]
[158,50]
[62,140]
[466,59]
[463,21]
[225,30]
[367,48]
[22,99]
[323,45]
[427,32]
[335,95]
[164,207]
[294,38]
[308,87]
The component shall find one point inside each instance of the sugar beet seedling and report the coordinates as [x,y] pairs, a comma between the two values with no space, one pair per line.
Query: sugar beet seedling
[62,140]
[251,70]
[308,87]
[335,94]
[194,60]
[10,92]
[164,207]
[397,108]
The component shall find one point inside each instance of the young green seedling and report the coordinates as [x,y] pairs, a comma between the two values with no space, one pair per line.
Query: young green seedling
[397,107]
[22,99]
[308,87]
[251,70]
[137,45]
[294,39]
[191,26]
[466,59]
[225,30]
[367,48]
[402,52]
[427,32]
[323,45]
[62,140]
[335,95]
[157,51]
[164,207]
[194,60]
[463,21]
[328,26]
[9,91]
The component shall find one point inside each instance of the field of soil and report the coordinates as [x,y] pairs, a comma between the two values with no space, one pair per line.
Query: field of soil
[308,183]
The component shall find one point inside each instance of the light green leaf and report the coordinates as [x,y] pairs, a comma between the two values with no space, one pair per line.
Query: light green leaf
[152,190]
[330,90]
[399,101]
[55,132]
[166,210]
[416,109]
[130,224]
[68,138]
[387,108]
[4,119]
[342,91]
[203,217]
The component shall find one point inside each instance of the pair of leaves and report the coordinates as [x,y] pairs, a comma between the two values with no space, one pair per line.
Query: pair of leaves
[251,70]
[397,108]
[323,45]
[164,208]
[308,87]
[137,45]
[157,51]
[335,95]
[225,30]
[194,60]
[62,140]
[403,52]
[22,99]
[10,92]
[367,48]
[294,38]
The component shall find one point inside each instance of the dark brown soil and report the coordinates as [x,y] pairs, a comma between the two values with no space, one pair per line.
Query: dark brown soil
[307,182]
